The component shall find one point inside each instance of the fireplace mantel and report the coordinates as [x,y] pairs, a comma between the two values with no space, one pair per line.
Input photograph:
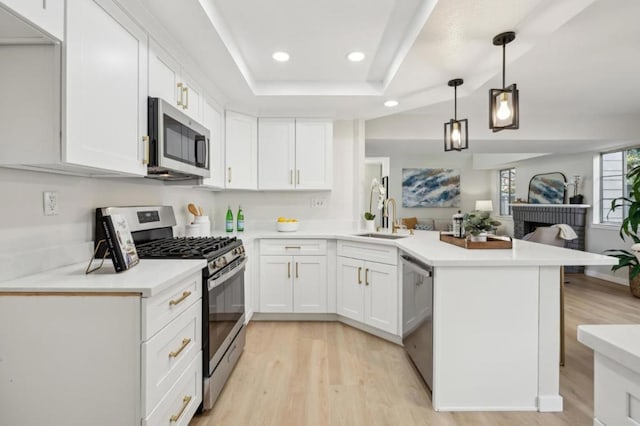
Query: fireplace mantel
[555,206]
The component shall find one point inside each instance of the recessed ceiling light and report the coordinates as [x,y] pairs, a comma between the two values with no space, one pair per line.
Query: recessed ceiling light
[355,56]
[280,56]
[391,103]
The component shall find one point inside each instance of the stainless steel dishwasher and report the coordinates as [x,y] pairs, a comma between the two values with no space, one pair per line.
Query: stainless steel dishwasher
[417,315]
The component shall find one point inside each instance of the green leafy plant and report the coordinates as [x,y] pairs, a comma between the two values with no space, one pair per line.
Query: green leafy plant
[629,226]
[477,222]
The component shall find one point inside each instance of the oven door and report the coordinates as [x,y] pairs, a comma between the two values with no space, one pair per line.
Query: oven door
[223,313]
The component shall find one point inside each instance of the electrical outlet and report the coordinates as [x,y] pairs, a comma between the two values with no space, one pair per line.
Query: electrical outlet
[50,203]
[319,203]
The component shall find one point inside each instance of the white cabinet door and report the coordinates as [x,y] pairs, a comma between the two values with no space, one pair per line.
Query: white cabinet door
[241,143]
[192,98]
[163,75]
[276,293]
[310,284]
[106,88]
[212,120]
[276,153]
[381,296]
[350,289]
[314,154]
[48,15]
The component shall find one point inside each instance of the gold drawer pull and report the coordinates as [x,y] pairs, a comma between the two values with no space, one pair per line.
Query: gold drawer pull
[176,301]
[366,276]
[288,269]
[145,141]
[185,402]
[185,342]
[359,276]
[292,247]
[297,270]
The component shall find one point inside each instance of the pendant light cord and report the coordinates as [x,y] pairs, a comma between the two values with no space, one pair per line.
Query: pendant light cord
[504,55]
[455,103]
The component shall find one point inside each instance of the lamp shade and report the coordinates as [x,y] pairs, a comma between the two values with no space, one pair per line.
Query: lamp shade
[504,108]
[456,135]
[484,205]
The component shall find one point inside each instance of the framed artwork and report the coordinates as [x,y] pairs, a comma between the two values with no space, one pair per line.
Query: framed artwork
[430,188]
[547,188]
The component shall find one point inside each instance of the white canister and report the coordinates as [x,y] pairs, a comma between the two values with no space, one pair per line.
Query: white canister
[204,225]
[192,230]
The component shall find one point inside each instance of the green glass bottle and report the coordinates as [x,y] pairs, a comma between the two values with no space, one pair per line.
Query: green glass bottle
[229,221]
[240,216]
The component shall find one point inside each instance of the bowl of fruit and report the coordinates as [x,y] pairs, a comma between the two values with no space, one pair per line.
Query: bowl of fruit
[287,225]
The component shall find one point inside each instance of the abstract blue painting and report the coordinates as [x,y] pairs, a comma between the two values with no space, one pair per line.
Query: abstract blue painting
[547,188]
[430,188]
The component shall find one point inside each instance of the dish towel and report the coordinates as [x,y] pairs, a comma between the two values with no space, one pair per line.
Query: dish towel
[566,232]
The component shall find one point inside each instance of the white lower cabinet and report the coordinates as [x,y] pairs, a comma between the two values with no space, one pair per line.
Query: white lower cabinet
[367,291]
[293,284]
[293,276]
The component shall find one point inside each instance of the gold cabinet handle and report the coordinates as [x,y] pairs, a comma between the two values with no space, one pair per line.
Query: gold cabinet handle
[288,269]
[185,402]
[229,174]
[359,276]
[292,247]
[145,158]
[174,354]
[297,270]
[298,177]
[366,276]
[44,4]
[185,89]
[181,90]
[180,299]
[291,177]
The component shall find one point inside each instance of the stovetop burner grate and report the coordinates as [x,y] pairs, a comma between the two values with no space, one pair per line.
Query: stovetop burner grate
[187,247]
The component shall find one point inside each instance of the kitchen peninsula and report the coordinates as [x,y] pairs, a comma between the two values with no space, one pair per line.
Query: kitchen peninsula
[496,312]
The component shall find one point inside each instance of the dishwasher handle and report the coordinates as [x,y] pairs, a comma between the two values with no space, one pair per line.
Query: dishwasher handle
[417,266]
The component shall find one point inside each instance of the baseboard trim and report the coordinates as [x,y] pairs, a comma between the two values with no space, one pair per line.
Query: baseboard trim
[268,316]
[483,408]
[607,277]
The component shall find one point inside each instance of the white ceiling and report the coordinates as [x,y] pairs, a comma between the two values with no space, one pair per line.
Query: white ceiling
[571,57]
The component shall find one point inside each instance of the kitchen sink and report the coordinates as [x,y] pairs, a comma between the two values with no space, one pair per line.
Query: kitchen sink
[383,236]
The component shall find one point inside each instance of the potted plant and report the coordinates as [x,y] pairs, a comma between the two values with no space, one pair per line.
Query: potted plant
[369,217]
[576,198]
[477,224]
[629,228]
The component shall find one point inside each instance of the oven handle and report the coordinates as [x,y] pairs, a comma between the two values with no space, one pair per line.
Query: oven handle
[215,283]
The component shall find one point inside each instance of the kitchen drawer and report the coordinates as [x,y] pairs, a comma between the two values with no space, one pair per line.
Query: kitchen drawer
[179,405]
[160,310]
[373,252]
[293,247]
[166,355]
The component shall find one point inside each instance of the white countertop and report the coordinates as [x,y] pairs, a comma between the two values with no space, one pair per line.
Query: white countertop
[426,246]
[618,342]
[149,277]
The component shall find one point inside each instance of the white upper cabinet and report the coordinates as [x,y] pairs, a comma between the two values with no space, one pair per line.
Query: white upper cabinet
[276,153]
[212,120]
[169,81]
[241,151]
[47,15]
[314,154]
[295,154]
[105,87]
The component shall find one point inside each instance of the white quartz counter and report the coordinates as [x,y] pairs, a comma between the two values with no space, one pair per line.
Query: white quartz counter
[618,342]
[426,246]
[149,277]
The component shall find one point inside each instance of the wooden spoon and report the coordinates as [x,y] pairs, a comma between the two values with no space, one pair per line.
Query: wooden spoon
[201,211]
[193,209]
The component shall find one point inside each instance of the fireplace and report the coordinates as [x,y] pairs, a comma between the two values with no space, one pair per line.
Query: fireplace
[528,217]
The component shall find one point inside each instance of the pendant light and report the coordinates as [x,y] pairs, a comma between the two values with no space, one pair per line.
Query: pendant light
[455,131]
[503,103]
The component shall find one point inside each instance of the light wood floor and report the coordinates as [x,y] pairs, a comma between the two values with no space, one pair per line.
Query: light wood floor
[317,373]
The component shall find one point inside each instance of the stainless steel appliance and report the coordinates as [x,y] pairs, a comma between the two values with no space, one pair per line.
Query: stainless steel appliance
[223,308]
[417,315]
[178,146]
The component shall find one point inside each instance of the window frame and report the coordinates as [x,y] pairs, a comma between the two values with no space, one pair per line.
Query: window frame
[604,207]
[511,196]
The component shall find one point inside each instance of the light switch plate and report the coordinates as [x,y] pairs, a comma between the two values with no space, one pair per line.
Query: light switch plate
[50,203]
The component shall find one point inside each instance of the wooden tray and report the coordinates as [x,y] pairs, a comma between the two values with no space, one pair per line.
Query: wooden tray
[493,242]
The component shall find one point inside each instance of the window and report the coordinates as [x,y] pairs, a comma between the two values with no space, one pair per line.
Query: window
[613,181]
[507,190]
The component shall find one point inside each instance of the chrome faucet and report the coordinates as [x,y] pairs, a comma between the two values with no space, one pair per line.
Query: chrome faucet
[394,225]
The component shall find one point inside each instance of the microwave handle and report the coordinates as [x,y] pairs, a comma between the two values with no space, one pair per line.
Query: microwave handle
[204,162]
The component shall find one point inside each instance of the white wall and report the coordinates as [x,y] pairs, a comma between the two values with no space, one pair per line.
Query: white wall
[474,184]
[262,208]
[31,242]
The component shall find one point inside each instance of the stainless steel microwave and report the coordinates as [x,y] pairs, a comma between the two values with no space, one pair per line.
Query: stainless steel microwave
[178,145]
